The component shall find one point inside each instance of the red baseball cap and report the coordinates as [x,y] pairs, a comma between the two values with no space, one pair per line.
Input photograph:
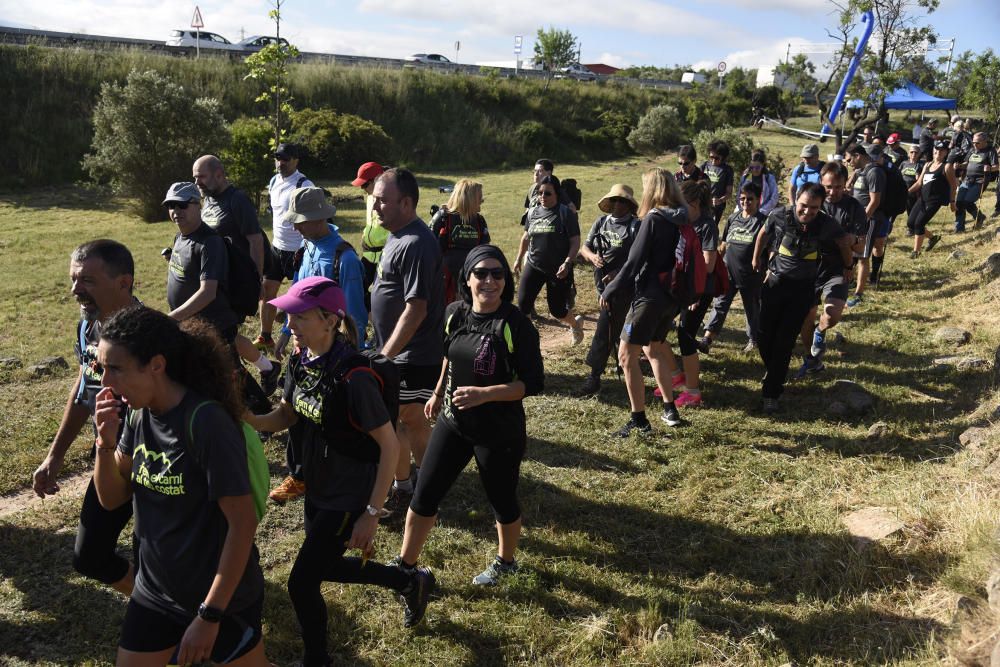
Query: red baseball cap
[369,171]
[893,138]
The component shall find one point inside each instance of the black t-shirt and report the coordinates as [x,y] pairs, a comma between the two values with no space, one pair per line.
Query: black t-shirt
[458,239]
[611,239]
[720,177]
[549,231]
[202,255]
[708,232]
[651,255]
[490,349]
[926,144]
[334,480]
[850,215]
[871,180]
[695,175]
[177,482]
[909,170]
[796,248]
[977,161]
[232,214]
[740,235]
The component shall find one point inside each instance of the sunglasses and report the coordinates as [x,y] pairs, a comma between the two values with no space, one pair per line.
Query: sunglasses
[546,193]
[481,273]
[714,157]
[182,205]
[684,164]
[756,167]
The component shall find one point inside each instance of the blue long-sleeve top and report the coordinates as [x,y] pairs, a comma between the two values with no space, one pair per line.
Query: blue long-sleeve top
[318,261]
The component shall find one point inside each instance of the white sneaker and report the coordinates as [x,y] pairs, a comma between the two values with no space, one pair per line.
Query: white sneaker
[577,330]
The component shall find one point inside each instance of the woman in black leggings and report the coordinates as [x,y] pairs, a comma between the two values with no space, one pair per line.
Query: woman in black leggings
[934,187]
[492,361]
[548,249]
[349,451]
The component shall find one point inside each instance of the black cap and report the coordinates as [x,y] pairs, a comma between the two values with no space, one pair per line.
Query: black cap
[290,151]
[941,143]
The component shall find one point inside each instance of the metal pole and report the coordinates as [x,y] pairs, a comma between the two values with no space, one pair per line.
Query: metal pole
[788,53]
[951,52]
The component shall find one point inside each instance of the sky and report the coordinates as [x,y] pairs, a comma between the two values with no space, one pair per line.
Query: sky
[743,33]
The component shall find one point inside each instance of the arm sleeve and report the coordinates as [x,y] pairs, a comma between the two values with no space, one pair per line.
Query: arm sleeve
[214,260]
[572,223]
[126,441]
[875,178]
[729,223]
[364,401]
[528,358]
[222,451]
[352,282]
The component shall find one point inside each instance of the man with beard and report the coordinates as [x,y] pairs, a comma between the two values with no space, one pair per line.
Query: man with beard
[102,274]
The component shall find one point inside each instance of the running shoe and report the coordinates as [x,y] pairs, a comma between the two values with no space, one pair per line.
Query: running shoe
[980,219]
[397,562]
[591,386]
[932,241]
[492,574]
[264,343]
[677,382]
[807,363]
[816,366]
[750,347]
[577,330]
[855,300]
[398,501]
[704,345]
[631,426]
[819,344]
[959,228]
[914,254]
[688,400]
[769,406]
[670,416]
[416,595]
[269,379]
[289,489]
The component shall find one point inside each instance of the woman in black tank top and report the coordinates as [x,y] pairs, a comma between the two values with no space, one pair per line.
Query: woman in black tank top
[936,185]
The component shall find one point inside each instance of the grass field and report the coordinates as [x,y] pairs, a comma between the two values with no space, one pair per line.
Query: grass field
[717,543]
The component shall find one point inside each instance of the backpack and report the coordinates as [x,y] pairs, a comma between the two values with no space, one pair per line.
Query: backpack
[444,235]
[333,384]
[685,283]
[257,466]
[342,247]
[893,200]
[500,328]
[801,169]
[573,192]
[243,281]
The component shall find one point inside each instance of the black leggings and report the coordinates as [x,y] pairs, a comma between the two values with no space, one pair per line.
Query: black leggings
[448,452]
[321,558]
[687,332]
[920,215]
[558,291]
[783,307]
[606,334]
[94,554]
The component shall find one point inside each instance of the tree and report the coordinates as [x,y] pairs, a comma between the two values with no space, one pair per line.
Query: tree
[957,81]
[740,82]
[248,158]
[984,88]
[898,34]
[269,67]
[555,49]
[798,74]
[147,133]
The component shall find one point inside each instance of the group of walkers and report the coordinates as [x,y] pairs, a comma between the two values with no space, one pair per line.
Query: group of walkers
[409,359]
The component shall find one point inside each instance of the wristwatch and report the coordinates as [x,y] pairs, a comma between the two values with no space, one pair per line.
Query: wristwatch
[209,614]
[373,511]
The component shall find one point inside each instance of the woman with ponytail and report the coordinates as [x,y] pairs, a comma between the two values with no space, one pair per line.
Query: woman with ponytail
[182,460]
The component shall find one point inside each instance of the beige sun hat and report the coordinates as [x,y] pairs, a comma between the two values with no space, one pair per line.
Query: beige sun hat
[621,191]
[308,204]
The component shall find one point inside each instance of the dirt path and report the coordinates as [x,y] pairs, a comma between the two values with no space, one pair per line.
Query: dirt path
[73,485]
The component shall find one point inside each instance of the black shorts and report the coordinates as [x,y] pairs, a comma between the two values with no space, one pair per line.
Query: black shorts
[279,265]
[147,630]
[648,321]
[417,382]
[833,287]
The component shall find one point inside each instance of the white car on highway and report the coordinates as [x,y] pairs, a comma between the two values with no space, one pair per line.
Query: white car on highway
[204,40]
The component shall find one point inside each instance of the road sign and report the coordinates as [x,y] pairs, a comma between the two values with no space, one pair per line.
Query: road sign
[196,20]
[722,67]
[518,39]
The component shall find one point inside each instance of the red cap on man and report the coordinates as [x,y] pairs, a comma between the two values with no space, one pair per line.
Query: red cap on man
[369,171]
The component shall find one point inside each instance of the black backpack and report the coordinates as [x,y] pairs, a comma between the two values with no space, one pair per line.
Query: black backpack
[894,198]
[243,281]
[573,192]
[503,331]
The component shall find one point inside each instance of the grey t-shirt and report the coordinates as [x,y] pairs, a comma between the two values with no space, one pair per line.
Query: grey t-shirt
[871,180]
[611,239]
[410,268]
[201,255]
[176,486]
[232,214]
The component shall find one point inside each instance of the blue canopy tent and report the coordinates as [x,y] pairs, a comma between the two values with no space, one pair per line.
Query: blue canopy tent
[912,97]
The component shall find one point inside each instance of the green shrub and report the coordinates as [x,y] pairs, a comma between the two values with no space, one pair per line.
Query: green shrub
[536,138]
[740,145]
[147,134]
[248,158]
[659,130]
[336,143]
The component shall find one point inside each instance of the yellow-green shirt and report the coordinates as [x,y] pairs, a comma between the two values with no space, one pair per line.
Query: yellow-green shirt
[374,235]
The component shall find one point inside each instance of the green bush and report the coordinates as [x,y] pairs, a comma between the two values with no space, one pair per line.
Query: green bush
[336,143]
[740,148]
[248,159]
[536,138]
[147,134]
[659,130]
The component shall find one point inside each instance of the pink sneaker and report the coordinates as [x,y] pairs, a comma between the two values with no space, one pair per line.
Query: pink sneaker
[688,400]
[676,383]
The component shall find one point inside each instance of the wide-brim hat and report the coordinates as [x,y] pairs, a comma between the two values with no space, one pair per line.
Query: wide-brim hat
[619,191]
[307,204]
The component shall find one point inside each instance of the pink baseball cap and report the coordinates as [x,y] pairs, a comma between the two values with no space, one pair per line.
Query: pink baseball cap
[312,292]
[369,171]
[893,138]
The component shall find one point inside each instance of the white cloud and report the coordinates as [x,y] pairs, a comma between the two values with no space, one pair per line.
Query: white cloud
[611,59]
[765,56]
